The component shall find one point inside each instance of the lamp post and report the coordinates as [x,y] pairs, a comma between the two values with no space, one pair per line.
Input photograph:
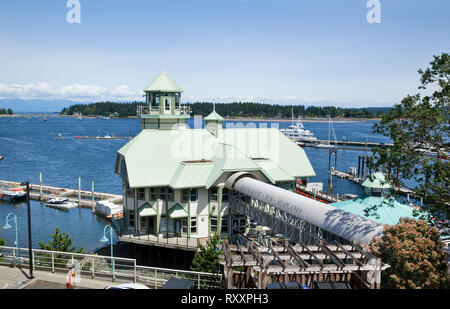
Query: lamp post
[30,252]
[7,226]
[105,239]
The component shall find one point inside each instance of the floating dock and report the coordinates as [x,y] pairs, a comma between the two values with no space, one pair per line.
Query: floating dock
[347,143]
[86,199]
[359,181]
[317,195]
[103,137]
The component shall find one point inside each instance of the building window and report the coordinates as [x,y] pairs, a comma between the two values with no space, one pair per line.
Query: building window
[167,104]
[185,196]
[213,224]
[170,195]
[213,194]
[225,195]
[141,194]
[184,225]
[153,194]
[131,218]
[224,225]
[194,225]
[194,195]
[163,193]
[177,100]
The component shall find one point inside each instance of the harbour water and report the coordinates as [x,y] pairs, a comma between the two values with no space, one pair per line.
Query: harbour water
[30,146]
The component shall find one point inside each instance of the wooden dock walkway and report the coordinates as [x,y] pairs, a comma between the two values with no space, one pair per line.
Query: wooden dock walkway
[318,195]
[85,199]
[348,143]
[359,181]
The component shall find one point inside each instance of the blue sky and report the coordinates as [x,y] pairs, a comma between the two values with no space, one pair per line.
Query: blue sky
[321,52]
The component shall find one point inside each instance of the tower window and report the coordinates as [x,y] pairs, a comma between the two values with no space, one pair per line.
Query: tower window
[167,104]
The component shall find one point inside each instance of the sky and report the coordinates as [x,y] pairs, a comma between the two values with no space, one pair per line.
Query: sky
[321,52]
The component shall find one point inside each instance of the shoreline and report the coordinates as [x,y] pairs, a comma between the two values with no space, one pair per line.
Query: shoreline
[318,119]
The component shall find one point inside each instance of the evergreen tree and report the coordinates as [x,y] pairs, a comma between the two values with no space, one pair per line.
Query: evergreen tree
[60,242]
[207,259]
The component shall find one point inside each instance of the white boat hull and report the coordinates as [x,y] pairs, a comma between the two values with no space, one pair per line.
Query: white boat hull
[66,205]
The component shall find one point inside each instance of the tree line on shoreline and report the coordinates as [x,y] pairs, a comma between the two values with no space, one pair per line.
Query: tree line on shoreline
[4,111]
[232,110]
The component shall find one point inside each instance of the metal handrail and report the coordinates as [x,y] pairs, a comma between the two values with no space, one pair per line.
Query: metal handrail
[97,265]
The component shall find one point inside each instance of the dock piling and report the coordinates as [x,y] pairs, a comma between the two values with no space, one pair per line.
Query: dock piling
[79,191]
[93,198]
[40,186]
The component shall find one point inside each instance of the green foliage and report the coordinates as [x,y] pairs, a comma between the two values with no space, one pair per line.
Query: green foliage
[420,123]
[103,109]
[258,110]
[60,242]
[4,111]
[237,109]
[414,252]
[207,259]
[2,243]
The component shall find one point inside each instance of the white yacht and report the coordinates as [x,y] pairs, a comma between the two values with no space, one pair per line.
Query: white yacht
[60,203]
[297,131]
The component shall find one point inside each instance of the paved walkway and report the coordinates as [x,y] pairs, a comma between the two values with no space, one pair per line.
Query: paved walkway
[16,278]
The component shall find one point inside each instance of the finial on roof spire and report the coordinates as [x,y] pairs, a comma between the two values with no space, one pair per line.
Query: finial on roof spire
[214,107]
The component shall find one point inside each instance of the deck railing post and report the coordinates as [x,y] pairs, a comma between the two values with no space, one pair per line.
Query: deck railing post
[53,263]
[113,269]
[198,281]
[156,279]
[135,272]
[92,268]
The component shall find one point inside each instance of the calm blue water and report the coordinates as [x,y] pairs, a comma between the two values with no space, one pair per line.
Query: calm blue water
[30,147]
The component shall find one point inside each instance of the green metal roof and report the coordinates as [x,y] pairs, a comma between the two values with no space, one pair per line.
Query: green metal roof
[214,116]
[164,157]
[378,181]
[177,211]
[163,83]
[389,212]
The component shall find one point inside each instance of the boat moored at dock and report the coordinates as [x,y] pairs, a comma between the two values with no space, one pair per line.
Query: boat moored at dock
[61,203]
[12,193]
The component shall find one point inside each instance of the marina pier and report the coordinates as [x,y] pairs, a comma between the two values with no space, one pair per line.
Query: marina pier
[85,199]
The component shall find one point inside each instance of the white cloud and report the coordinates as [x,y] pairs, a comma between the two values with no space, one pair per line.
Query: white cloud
[121,93]
[75,92]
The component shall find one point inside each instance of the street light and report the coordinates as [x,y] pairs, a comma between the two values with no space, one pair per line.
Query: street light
[7,226]
[30,252]
[105,240]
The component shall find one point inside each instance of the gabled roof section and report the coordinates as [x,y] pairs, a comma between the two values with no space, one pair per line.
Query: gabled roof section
[378,181]
[163,83]
[194,158]
[214,116]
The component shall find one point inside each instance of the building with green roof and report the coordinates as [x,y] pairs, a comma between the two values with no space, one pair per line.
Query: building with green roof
[376,187]
[173,176]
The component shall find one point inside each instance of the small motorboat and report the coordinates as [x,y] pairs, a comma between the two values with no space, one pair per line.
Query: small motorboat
[60,203]
[1,157]
[12,193]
